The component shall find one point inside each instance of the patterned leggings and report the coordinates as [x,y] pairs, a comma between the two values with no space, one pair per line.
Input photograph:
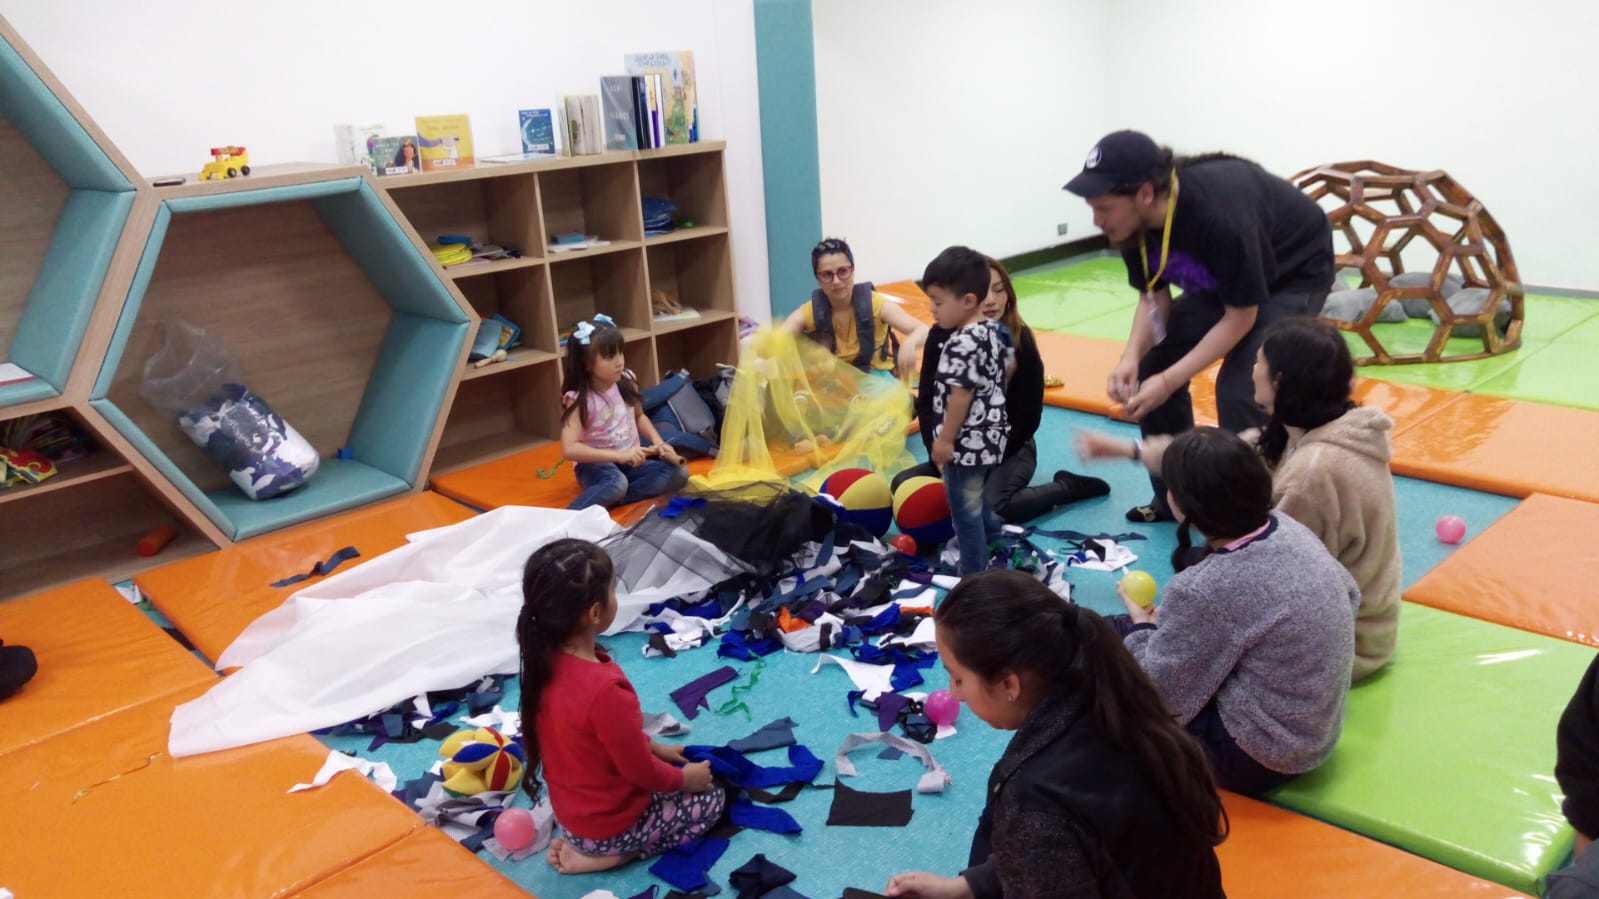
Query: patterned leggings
[669,821]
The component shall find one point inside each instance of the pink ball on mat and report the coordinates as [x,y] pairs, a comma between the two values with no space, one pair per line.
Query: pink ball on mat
[941,708]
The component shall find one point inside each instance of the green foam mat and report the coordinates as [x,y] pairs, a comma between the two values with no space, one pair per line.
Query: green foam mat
[1460,376]
[1056,307]
[1584,334]
[1449,753]
[1103,271]
[1548,318]
[1548,376]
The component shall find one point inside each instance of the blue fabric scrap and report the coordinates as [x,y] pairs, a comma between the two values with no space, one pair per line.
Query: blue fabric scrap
[757,877]
[321,568]
[745,813]
[691,697]
[686,866]
[773,735]
[733,767]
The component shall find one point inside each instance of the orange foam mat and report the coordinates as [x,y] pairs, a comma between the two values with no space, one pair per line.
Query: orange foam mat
[102,810]
[97,655]
[1511,447]
[1273,852]
[425,863]
[911,297]
[1532,570]
[1407,404]
[1082,363]
[514,481]
[212,598]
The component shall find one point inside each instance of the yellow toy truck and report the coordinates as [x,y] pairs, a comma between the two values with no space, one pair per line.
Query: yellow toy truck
[226,162]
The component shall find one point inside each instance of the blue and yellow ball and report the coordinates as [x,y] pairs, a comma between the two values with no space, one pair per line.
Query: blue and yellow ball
[481,759]
[921,509]
[864,496]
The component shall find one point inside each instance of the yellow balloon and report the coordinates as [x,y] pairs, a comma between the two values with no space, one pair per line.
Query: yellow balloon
[1139,587]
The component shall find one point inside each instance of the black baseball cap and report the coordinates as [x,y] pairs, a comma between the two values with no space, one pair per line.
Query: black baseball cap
[1121,157]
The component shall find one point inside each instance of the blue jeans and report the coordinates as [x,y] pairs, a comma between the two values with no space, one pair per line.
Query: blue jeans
[972,513]
[612,484]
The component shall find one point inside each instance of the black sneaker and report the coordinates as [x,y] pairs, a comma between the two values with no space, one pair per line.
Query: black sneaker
[1080,487]
[1149,514]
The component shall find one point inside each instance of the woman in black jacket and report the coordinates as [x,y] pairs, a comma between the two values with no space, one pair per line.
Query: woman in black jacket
[1007,485]
[1099,793]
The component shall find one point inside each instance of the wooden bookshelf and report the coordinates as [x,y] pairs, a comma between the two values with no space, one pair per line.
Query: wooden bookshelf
[510,406]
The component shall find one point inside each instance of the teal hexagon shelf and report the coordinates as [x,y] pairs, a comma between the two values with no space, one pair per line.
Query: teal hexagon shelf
[64,199]
[337,317]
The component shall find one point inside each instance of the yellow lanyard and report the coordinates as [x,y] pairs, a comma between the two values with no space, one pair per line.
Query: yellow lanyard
[1165,239]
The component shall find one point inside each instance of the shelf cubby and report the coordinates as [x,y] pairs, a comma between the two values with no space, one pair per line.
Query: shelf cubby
[612,284]
[492,417]
[85,521]
[698,274]
[639,351]
[521,295]
[600,200]
[694,182]
[698,349]
[66,197]
[339,321]
[503,211]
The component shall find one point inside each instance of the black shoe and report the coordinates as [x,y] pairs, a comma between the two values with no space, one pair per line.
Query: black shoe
[1149,514]
[1081,486]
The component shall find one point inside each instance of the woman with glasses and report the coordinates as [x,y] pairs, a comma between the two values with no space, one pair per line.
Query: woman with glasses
[841,312]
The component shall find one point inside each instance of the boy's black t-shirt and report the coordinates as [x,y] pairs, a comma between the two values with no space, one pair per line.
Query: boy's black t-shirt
[1240,234]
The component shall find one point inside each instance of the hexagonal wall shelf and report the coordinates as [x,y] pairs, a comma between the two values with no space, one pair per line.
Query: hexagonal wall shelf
[340,323]
[64,197]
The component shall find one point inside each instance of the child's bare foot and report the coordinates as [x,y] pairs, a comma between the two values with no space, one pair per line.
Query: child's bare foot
[565,858]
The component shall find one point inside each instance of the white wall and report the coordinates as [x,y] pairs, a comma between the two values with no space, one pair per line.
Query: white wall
[168,79]
[1500,95]
[948,121]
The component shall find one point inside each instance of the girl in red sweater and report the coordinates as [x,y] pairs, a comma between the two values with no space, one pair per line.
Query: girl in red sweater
[617,794]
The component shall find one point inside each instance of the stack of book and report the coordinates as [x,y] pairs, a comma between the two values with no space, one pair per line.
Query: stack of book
[654,105]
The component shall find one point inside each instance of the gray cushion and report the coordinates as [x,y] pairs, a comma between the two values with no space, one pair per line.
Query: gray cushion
[1418,307]
[1469,301]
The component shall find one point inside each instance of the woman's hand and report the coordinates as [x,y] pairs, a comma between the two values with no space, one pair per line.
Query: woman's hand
[697,777]
[1122,382]
[922,885]
[1151,394]
[1094,445]
[668,752]
[1140,614]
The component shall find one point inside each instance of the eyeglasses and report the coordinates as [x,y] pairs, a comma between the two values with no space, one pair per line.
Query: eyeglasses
[837,274]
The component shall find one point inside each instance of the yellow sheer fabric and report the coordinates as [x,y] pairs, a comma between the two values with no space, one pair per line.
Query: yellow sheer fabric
[796,408]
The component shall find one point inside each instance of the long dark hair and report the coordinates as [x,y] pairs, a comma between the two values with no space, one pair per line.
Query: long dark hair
[1312,368]
[1012,319]
[561,582]
[1004,621]
[1219,483]
[606,341]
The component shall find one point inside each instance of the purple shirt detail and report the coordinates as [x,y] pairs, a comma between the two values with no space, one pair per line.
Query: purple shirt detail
[1184,271]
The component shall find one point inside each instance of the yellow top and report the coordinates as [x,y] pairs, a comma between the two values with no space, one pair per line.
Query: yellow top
[846,345]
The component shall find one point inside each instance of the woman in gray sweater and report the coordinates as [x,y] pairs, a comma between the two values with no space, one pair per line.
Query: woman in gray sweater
[1252,647]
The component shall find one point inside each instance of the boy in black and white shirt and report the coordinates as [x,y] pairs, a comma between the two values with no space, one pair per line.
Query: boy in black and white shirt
[969,398]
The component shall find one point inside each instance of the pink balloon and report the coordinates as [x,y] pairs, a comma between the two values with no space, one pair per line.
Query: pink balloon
[514,829]
[1451,528]
[941,708]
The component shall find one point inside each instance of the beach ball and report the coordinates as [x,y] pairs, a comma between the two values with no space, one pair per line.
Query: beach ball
[480,759]
[865,498]
[921,509]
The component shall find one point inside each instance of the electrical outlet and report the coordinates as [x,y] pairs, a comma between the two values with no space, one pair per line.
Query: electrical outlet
[1061,229]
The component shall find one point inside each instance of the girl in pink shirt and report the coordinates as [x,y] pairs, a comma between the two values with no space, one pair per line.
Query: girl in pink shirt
[602,421]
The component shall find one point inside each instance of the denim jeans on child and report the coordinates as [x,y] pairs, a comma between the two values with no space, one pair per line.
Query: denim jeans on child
[972,515]
[611,484]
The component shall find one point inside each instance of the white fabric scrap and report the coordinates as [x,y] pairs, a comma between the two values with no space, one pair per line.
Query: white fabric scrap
[507,723]
[543,830]
[601,894]
[933,780]
[431,615]
[662,724]
[874,680]
[810,639]
[1117,557]
[922,636]
[380,772]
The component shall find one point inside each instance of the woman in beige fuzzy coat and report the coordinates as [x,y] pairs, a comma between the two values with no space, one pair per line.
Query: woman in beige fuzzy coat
[1329,461]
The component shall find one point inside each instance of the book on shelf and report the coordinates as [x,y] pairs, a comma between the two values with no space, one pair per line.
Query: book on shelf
[537,128]
[619,101]
[353,142]
[446,142]
[677,91]
[585,129]
[396,155]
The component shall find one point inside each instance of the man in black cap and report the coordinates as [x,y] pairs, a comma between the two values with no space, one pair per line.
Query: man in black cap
[1245,246]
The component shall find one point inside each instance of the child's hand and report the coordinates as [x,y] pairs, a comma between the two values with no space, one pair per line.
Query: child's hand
[632,456]
[1092,445]
[696,777]
[667,454]
[1139,614]
[942,453]
[668,752]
